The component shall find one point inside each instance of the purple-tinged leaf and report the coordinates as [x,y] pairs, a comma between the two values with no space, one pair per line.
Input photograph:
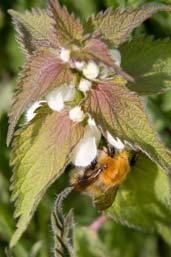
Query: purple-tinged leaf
[42,73]
[96,50]
[115,26]
[35,29]
[41,151]
[121,112]
[66,26]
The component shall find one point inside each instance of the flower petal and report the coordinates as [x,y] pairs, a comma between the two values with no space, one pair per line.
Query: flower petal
[115,142]
[57,97]
[94,130]
[55,100]
[31,111]
[85,152]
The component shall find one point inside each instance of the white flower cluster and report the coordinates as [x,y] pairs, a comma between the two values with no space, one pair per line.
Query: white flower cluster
[87,150]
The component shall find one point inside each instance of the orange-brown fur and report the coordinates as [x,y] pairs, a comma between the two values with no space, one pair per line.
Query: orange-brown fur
[116,170]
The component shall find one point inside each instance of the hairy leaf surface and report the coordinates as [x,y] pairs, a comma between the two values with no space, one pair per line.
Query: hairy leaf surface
[66,26]
[119,111]
[149,62]
[35,29]
[42,73]
[96,50]
[142,200]
[41,151]
[115,26]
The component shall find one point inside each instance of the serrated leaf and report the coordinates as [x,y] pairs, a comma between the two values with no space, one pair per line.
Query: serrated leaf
[62,227]
[141,200]
[96,50]
[115,26]
[121,112]
[149,62]
[41,151]
[42,73]
[66,26]
[35,29]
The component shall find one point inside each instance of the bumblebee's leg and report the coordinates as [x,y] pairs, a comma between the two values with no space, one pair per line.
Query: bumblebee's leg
[134,158]
[111,150]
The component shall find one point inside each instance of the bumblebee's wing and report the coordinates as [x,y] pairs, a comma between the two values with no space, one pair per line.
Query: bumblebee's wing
[106,199]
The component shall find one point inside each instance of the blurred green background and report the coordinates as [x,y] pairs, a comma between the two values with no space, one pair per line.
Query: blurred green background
[113,239]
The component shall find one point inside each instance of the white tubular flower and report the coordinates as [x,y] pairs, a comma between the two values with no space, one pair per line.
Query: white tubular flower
[56,99]
[65,54]
[84,85]
[91,70]
[115,142]
[86,151]
[76,114]
[30,114]
[116,55]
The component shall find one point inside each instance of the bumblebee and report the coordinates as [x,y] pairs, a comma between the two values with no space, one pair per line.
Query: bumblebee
[108,171]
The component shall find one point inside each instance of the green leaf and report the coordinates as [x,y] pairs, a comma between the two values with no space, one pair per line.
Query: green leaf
[121,112]
[41,151]
[66,26]
[105,200]
[115,26]
[141,200]
[35,29]
[42,73]
[62,227]
[149,62]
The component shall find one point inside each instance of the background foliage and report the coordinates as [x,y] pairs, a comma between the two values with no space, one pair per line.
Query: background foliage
[117,240]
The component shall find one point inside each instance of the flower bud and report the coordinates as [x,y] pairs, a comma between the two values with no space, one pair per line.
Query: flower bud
[84,85]
[76,114]
[91,70]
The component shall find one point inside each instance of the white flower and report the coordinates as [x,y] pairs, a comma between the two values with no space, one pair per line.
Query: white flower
[86,151]
[84,85]
[79,65]
[76,114]
[116,55]
[56,99]
[91,70]
[30,114]
[65,54]
[115,142]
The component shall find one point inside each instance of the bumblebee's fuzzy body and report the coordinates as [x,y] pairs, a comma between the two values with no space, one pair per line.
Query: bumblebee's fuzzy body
[107,172]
